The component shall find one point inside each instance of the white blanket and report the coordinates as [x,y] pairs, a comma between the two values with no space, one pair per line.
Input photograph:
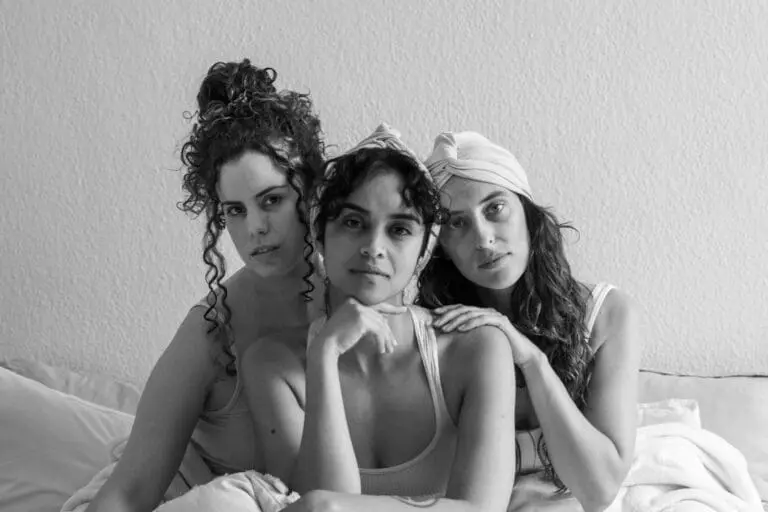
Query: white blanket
[677,468]
[241,492]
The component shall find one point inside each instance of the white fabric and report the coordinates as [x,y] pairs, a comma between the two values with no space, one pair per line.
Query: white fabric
[471,156]
[677,468]
[242,492]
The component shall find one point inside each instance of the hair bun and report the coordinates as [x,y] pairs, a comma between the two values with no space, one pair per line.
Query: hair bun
[229,81]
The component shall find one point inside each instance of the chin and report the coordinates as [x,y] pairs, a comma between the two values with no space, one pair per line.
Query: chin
[500,281]
[270,271]
[369,299]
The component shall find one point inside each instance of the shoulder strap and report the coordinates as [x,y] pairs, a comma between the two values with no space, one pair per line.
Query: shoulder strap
[598,295]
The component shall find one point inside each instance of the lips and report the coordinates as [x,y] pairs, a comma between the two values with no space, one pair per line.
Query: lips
[264,249]
[493,261]
[371,271]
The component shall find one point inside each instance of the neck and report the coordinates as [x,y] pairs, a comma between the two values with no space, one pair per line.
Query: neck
[284,285]
[500,300]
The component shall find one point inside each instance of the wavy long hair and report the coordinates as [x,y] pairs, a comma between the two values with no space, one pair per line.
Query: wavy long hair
[548,306]
[240,109]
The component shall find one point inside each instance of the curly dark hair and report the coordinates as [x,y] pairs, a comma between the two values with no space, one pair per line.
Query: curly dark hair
[548,306]
[351,169]
[240,109]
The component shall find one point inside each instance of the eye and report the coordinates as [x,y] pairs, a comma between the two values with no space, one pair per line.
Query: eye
[351,223]
[456,222]
[234,210]
[271,200]
[497,209]
[401,231]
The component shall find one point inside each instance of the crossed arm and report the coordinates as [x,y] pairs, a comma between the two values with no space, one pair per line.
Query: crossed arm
[313,451]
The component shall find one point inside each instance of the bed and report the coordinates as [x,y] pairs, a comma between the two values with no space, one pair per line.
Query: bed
[57,427]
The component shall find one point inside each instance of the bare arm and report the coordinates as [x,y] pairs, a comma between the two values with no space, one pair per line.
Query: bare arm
[304,450]
[326,458]
[591,452]
[273,379]
[170,406]
[482,474]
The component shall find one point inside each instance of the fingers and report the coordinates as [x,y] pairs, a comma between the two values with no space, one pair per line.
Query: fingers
[449,307]
[384,338]
[449,314]
[479,321]
[389,309]
[465,317]
[453,316]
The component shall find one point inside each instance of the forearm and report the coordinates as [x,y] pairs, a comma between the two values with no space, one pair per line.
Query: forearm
[342,502]
[326,457]
[111,499]
[585,459]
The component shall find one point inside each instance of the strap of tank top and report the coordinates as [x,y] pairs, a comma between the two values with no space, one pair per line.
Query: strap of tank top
[427,343]
[599,293]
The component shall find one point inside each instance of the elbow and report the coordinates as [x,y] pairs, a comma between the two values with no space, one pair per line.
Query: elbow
[600,500]
[602,494]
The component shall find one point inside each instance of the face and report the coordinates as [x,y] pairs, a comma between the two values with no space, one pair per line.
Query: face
[372,248]
[486,236]
[259,206]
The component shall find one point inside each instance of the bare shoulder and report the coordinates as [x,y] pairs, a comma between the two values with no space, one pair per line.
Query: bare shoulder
[280,355]
[466,358]
[616,321]
[285,348]
[481,348]
[193,342]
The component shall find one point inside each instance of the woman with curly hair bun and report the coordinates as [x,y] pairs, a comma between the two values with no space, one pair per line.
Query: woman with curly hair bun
[252,156]
[500,262]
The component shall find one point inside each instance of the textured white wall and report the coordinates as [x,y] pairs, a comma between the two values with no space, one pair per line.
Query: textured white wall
[643,122]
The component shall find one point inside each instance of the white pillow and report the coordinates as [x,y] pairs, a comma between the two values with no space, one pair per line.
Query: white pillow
[51,443]
[673,410]
[99,389]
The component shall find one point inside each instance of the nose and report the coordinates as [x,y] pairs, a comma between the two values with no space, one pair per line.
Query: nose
[258,223]
[485,238]
[373,245]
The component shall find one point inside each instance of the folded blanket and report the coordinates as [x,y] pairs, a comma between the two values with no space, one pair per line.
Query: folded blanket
[240,492]
[192,471]
[677,465]
[677,468]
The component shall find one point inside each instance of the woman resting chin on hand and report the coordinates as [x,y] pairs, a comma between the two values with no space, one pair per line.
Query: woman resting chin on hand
[376,411]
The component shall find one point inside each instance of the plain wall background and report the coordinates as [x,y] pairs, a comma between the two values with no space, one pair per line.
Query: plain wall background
[644,122]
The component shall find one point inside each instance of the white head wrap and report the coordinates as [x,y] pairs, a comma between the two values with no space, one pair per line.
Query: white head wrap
[471,156]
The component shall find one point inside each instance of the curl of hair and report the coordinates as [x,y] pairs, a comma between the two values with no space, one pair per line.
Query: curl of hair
[548,306]
[239,109]
[352,169]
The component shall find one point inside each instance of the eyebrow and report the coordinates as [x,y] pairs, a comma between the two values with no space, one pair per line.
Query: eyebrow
[398,216]
[259,195]
[489,197]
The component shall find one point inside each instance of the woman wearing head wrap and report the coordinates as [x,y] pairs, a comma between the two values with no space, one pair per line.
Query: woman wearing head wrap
[500,262]
[373,403]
